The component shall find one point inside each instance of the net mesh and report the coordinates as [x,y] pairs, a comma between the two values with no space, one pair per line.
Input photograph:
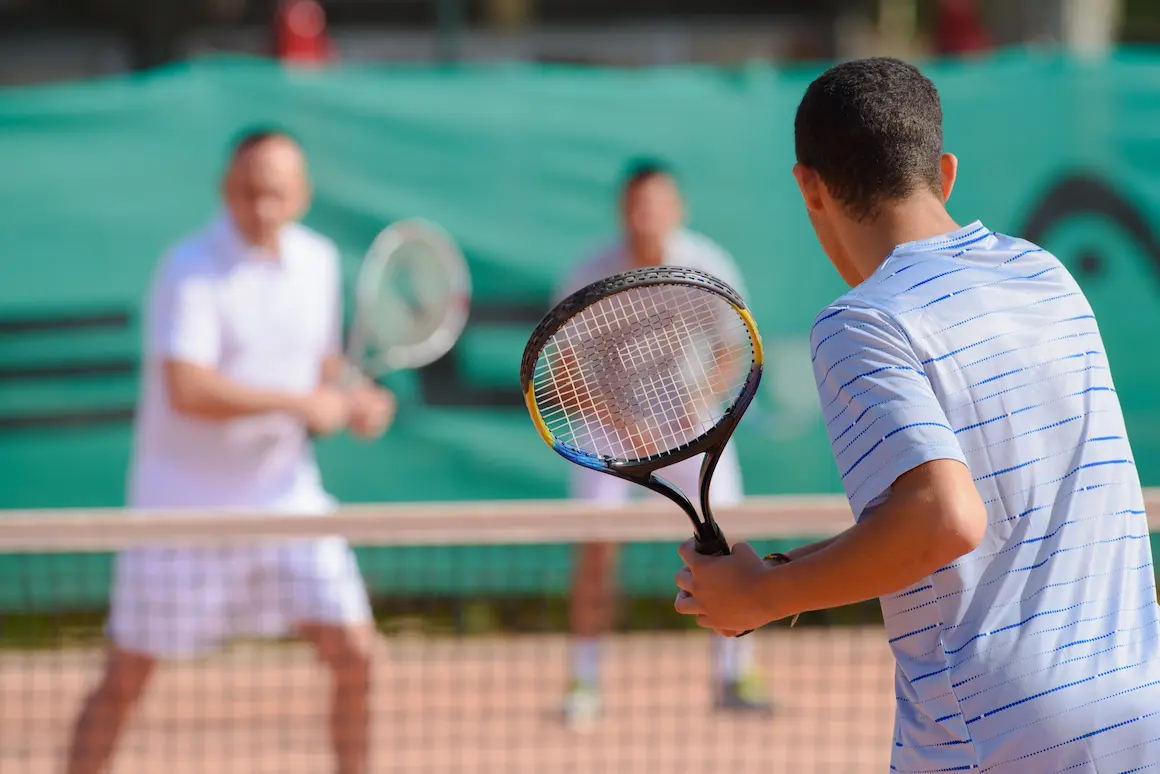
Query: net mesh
[470,664]
[643,372]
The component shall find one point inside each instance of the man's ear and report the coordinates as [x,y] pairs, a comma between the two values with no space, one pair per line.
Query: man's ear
[949,170]
[810,185]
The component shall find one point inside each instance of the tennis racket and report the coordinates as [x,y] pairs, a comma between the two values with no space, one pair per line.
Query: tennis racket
[411,301]
[641,370]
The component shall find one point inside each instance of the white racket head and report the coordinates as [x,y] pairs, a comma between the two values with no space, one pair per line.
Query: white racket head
[412,298]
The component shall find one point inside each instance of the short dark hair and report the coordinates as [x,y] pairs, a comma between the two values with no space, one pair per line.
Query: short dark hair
[256,135]
[872,130]
[643,168]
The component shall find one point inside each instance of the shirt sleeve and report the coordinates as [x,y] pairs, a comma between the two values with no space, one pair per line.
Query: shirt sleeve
[184,323]
[881,413]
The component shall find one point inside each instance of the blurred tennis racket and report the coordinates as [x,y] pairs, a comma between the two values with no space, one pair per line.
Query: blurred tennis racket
[641,370]
[412,298]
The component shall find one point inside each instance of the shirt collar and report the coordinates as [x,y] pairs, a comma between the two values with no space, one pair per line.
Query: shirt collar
[673,244]
[963,237]
[238,249]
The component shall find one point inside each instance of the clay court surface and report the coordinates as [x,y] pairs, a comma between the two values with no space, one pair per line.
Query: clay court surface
[476,705]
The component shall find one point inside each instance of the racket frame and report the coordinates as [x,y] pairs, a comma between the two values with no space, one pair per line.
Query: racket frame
[375,261]
[709,538]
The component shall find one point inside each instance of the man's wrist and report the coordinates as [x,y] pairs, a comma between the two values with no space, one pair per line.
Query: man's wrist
[772,592]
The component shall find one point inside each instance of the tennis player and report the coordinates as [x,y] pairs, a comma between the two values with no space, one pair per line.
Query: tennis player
[242,353]
[652,214]
[979,437]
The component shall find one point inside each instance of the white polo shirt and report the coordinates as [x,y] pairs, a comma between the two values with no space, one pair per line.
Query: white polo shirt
[265,321]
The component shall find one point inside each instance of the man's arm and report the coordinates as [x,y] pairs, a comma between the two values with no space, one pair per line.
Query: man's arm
[810,548]
[932,517]
[185,337]
[203,393]
[895,447]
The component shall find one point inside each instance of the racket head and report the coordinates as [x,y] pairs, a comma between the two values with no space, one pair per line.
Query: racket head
[642,369]
[412,298]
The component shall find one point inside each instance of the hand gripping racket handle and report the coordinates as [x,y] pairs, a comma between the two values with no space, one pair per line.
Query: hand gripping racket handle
[710,542]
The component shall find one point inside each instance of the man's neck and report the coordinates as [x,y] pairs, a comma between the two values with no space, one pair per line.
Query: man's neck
[267,245]
[869,244]
[646,252]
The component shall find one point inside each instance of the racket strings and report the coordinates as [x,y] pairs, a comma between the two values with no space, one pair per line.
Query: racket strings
[412,298]
[643,372]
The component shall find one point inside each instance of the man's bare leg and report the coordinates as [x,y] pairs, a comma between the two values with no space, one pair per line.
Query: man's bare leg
[593,604]
[346,651]
[106,711]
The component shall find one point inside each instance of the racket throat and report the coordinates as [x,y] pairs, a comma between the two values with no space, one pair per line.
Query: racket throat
[710,540]
[662,486]
[708,535]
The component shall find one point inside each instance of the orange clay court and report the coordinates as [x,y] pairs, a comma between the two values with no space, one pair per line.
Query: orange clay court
[474,705]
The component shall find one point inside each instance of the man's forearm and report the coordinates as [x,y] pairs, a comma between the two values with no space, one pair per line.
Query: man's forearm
[810,548]
[884,553]
[205,394]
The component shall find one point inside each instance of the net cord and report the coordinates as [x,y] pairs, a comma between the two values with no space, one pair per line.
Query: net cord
[433,523]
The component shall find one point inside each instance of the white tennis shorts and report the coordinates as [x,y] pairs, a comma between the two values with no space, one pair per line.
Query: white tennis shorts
[184,601]
[726,489]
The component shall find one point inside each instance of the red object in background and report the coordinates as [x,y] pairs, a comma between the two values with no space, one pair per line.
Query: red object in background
[300,34]
[960,28]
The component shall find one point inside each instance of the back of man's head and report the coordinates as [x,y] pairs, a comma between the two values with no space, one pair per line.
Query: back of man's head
[872,130]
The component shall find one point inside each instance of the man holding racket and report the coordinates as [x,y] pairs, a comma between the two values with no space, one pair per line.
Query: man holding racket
[652,215]
[242,363]
[979,437]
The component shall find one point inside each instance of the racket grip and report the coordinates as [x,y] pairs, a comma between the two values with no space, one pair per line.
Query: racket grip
[710,542]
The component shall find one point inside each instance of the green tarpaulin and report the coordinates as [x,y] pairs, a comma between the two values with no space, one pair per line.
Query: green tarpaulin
[519,163]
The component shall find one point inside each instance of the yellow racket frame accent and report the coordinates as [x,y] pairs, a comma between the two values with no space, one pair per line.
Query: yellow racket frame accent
[747,317]
[537,418]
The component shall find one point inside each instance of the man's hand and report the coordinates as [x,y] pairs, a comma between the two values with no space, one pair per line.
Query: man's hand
[325,411]
[372,410]
[725,593]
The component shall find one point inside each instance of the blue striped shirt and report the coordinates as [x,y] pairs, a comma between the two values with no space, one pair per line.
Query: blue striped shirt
[1040,650]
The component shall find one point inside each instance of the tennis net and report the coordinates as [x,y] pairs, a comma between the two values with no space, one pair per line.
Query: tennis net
[470,664]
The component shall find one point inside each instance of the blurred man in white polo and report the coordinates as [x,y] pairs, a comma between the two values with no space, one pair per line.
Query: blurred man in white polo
[241,365]
[652,215]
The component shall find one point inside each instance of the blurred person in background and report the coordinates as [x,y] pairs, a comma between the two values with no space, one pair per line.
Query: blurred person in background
[241,365]
[960,29]
[652,216]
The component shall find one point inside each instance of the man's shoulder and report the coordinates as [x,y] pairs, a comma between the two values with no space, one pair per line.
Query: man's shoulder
[191,256]
[852,312]
[849,305]
[698,251]
[701,244]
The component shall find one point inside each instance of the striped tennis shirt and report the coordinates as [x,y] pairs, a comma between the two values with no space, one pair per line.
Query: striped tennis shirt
[1040,650]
